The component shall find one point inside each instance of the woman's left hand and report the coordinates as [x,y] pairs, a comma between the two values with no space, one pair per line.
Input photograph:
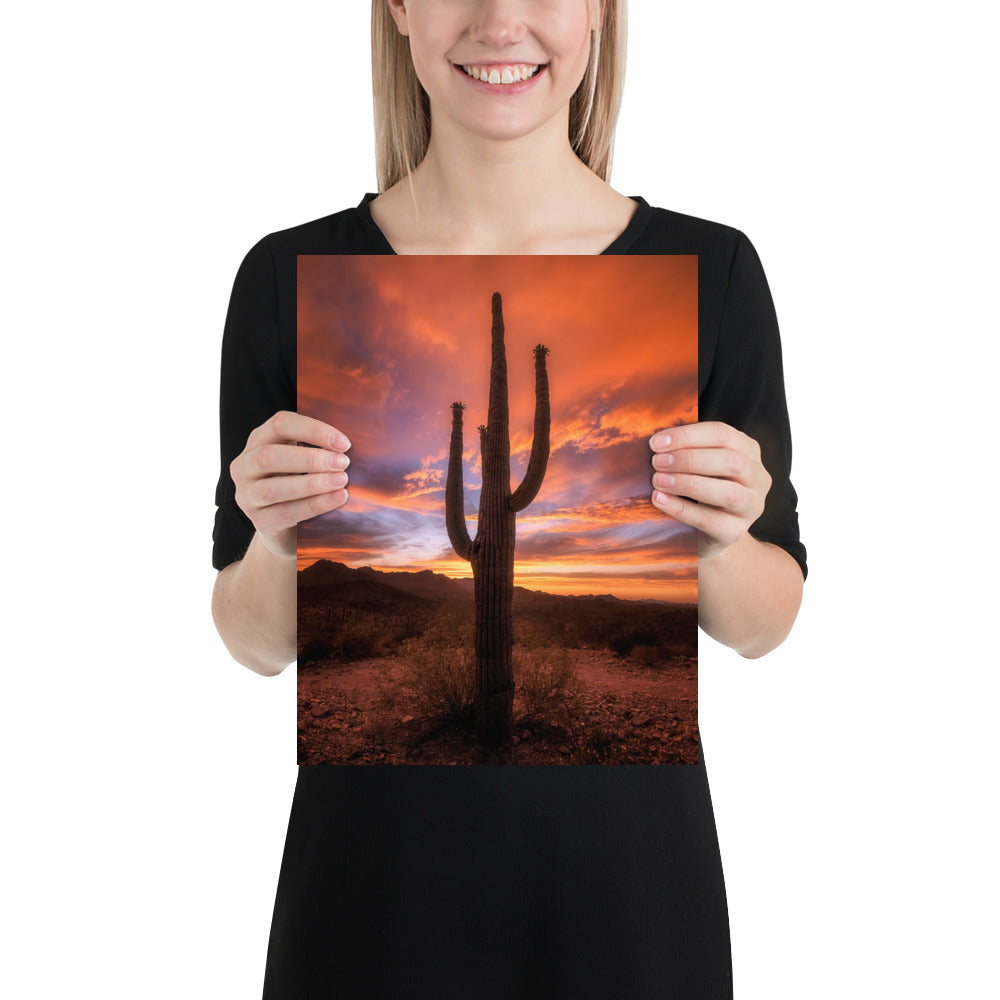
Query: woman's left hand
[720,468]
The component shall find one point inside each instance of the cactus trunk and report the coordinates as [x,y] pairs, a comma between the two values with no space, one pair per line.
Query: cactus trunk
[492,552]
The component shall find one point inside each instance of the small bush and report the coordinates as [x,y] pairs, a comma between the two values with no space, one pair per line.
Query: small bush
[546,679]
[571,635]
[439,667]
[624,641]
[621,644]
[600,747]
[315,651]
[361,641]
[530,634]
[648,656]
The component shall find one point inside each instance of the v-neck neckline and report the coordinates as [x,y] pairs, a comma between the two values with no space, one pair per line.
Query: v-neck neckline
[621,244]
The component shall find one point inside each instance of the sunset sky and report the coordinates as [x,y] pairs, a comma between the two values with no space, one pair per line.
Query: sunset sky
[387,343]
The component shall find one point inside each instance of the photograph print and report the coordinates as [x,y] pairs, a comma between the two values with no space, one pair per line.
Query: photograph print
[498,587]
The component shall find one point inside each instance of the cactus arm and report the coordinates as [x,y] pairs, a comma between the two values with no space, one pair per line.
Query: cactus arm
[532,481]
[479,523]
[458,532]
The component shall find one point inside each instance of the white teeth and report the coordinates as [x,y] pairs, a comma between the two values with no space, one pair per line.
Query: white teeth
[510,74]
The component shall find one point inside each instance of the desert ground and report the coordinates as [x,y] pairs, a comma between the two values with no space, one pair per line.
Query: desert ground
[622,713]
[386,673]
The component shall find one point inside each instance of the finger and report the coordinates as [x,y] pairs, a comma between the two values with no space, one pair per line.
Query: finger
[724,494]
[707,434]
[721,462]
[711,521]
[280,516]
[287,425]
[287,459]
[280,489]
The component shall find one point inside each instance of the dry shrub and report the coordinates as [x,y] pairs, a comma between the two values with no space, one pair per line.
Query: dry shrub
[624,639]
[601,746]
[439,667]
[545,676]
[648,656]
[620,644]
[361,641]
[439,670]
[315,651]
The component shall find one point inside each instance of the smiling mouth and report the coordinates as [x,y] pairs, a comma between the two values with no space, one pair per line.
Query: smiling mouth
[502,73]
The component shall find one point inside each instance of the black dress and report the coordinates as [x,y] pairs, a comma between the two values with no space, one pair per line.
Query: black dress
[591,882]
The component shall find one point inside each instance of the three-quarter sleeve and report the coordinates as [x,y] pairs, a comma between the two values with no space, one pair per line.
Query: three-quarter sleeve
[746,389]
[256,382]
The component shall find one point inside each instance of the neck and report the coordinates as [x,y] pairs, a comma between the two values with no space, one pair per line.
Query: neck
[494,190]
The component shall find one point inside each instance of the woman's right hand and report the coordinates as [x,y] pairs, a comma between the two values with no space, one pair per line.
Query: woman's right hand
[279,483]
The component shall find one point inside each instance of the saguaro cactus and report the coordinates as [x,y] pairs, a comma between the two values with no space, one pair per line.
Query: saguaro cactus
[492,552]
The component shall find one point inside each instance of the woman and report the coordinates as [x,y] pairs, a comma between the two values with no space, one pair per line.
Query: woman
[504,882]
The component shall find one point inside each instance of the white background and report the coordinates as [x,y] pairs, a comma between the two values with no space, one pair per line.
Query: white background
[148,777]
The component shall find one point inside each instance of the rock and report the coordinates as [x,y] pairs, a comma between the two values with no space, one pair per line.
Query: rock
[642,720]
[407,718]
[318,711]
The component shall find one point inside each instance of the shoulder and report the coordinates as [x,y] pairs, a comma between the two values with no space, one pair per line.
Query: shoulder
[669,231]
[731,283]
[270,269]
[721,249]
[667,220]
[274,253]
[727,259]
[340,232]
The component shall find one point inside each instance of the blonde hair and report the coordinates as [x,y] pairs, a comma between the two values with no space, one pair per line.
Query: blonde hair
[403,113]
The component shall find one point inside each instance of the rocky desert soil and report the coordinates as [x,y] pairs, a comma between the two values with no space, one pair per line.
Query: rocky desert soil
[626,712]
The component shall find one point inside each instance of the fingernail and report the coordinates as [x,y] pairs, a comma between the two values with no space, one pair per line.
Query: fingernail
[338,441]
[659,440]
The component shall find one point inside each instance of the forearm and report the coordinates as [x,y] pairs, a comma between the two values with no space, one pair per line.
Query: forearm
[253,605]
[749,595]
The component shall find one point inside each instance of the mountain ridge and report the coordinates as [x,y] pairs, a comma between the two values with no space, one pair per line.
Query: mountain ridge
[428,584]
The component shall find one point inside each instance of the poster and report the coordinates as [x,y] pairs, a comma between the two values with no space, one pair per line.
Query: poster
[499,587]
